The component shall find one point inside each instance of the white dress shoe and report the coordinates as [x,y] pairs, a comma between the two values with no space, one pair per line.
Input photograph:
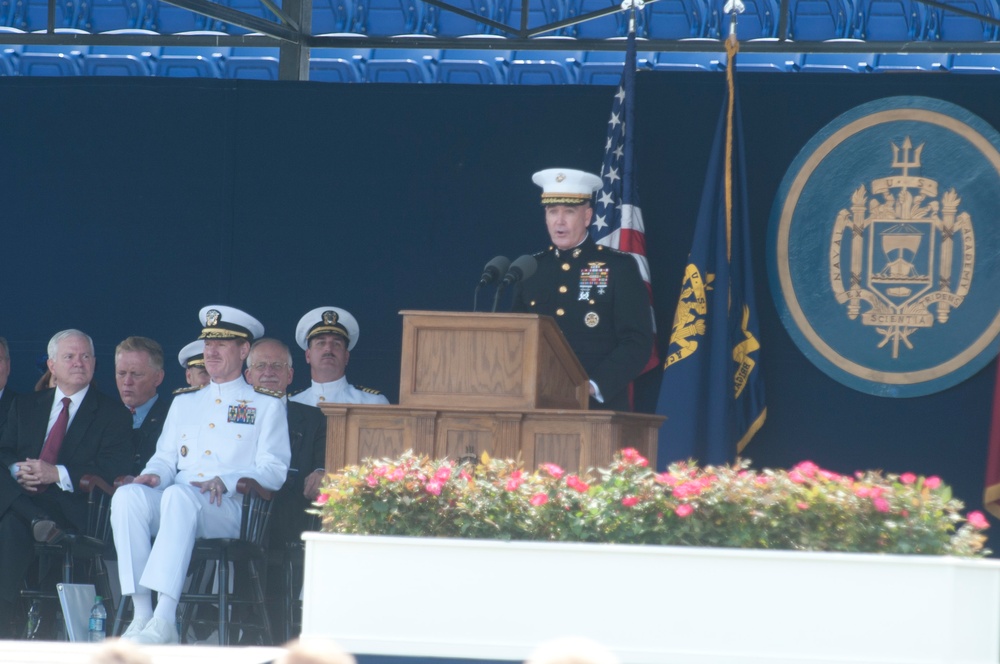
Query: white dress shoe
[134,629]
[157,631]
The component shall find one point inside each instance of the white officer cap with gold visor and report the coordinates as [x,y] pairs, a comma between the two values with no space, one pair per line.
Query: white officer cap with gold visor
[192,355]
[566,186]
[327,320]
[222,322]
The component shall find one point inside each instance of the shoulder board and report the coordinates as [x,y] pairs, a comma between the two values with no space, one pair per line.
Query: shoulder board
[369,390]
[292,394]
[544,252]
[272,393]
[617,252]
[187,390]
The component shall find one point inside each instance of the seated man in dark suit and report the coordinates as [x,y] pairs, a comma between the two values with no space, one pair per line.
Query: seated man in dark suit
[269,366]
[6,394]
[138,372]
[52,439]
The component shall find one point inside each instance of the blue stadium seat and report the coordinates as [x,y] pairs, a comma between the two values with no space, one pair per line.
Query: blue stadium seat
[193,61]
[944,25]
[332,16]
[255,62]
[121,60]
[542,67]
[388,17]
[819,20]
[612,25]
[605,67]
[6,12]
[252,7]
[767,62]
[477,66]
[444,23]
[677,19]
[168,19]
[890,20]
[839,62]
[540,12]
[975,63]
[338,65]
[32,15]
[759,19]
[107,15]
[713,60]
[10,54]
[402,65]
[902,62]
[53,59]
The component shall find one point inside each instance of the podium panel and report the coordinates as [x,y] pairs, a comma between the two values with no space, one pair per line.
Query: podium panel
[488,361]
[574,440]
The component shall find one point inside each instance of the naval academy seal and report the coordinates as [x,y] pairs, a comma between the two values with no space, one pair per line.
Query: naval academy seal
[884,247]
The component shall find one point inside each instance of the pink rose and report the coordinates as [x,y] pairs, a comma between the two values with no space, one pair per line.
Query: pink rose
[539,499]
[683,510]
[665,478]
[977,520]
[433,487]
[630,501]
[907,478]
[802,505]
[574,482]
[379,470]
[806,468]
[932,482]
[397,474]
[443,473]
[323,499]
[553,470]
[862,491]
[372,481]
[796,477]
[632,456]
[881,504]
[465,476]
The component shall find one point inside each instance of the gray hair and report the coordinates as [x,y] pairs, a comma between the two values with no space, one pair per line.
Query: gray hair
[66,334]
[271,340]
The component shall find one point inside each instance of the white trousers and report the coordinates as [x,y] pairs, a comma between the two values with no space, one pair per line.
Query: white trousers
[175,516]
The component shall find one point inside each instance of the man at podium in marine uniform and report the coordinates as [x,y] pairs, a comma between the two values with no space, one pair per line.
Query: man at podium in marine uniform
[595,294]
[328,335]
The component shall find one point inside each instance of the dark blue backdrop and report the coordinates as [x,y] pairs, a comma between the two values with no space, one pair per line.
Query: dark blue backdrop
[128,205]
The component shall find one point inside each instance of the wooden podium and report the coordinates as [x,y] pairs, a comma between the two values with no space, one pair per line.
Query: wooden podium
[505,384]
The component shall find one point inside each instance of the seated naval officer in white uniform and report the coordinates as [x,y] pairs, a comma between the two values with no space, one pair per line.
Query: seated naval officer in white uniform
[212,436]
[328,335]
[192,359]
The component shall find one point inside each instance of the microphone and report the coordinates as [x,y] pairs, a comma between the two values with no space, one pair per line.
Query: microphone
[520,269]
[494,269]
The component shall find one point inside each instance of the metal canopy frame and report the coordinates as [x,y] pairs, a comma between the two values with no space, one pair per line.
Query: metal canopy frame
[292,35]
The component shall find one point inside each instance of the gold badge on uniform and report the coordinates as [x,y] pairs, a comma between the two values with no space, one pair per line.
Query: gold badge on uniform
[329,317]
[184,450]
[591,319]
[212,317]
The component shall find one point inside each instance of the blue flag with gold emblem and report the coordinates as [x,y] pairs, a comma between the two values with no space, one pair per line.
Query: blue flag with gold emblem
[712,391]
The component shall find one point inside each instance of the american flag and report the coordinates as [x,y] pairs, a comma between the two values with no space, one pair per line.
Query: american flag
[617,217]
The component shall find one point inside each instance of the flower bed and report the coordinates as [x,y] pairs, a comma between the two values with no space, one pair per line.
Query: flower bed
[806,508]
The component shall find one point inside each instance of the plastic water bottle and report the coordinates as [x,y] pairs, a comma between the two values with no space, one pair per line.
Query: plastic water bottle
[98,617]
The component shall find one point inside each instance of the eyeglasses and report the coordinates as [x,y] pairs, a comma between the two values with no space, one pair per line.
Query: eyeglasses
[274,366]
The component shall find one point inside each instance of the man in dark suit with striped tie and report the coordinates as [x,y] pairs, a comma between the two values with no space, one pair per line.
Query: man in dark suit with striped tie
[51,440]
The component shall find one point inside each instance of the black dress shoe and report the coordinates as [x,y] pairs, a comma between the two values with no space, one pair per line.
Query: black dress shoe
[46,531]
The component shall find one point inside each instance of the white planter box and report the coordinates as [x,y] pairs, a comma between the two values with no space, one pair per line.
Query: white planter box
[651,605]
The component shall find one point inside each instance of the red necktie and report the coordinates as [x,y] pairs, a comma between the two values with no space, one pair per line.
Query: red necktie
[50,451]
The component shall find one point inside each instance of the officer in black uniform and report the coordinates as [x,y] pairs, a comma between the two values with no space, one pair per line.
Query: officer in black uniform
[595,294]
